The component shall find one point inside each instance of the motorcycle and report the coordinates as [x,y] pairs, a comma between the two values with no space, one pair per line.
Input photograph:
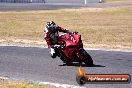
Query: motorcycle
[70,49]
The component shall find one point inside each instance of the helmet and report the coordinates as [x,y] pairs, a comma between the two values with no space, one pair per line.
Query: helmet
[50,25]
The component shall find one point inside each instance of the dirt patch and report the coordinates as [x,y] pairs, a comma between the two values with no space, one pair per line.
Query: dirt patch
[99,27]
[8,83]
[23,41]
[44,44]
[118,1]
[86,9]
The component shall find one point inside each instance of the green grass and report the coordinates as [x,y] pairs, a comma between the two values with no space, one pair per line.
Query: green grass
[110,26]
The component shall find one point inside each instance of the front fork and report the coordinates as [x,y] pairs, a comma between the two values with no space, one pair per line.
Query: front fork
[79,55]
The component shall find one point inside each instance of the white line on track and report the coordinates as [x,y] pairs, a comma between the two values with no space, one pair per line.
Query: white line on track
[62,85]
[58,85]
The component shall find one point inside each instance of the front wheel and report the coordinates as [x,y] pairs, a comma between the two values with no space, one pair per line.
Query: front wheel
[65,60]
[87,59]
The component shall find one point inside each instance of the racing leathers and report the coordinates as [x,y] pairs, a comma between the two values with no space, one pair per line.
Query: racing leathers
[51,38]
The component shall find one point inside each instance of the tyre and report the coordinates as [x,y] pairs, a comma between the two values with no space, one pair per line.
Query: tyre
[87,59]
[65,60]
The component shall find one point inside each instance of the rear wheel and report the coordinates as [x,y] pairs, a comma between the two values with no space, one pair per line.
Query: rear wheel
[87,59]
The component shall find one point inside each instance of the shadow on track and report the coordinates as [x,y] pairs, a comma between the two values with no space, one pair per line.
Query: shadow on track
[83,65]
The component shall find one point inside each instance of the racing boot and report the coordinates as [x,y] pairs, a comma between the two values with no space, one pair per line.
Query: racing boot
[53,53]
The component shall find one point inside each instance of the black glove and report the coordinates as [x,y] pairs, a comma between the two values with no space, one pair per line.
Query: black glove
[75,32]
[70,33]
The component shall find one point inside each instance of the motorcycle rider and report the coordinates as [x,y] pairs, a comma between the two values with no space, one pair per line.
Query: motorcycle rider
[51,36]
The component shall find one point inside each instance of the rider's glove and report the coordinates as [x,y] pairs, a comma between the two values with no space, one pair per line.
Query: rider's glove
[70,33]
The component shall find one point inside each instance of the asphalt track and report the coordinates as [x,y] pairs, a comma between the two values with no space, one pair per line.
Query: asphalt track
[32,63]
[51,6]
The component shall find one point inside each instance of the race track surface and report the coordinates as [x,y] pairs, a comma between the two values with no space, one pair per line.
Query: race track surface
[26,63]
[51,6]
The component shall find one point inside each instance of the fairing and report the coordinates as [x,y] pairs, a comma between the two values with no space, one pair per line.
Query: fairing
[72,45]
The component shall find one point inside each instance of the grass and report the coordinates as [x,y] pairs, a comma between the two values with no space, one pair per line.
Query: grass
[98,26]
[118,1]
[20,84]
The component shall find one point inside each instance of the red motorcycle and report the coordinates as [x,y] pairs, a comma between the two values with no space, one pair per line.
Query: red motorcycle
[70,49]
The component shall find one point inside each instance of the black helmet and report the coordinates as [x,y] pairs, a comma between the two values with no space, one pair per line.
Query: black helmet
[51,25]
